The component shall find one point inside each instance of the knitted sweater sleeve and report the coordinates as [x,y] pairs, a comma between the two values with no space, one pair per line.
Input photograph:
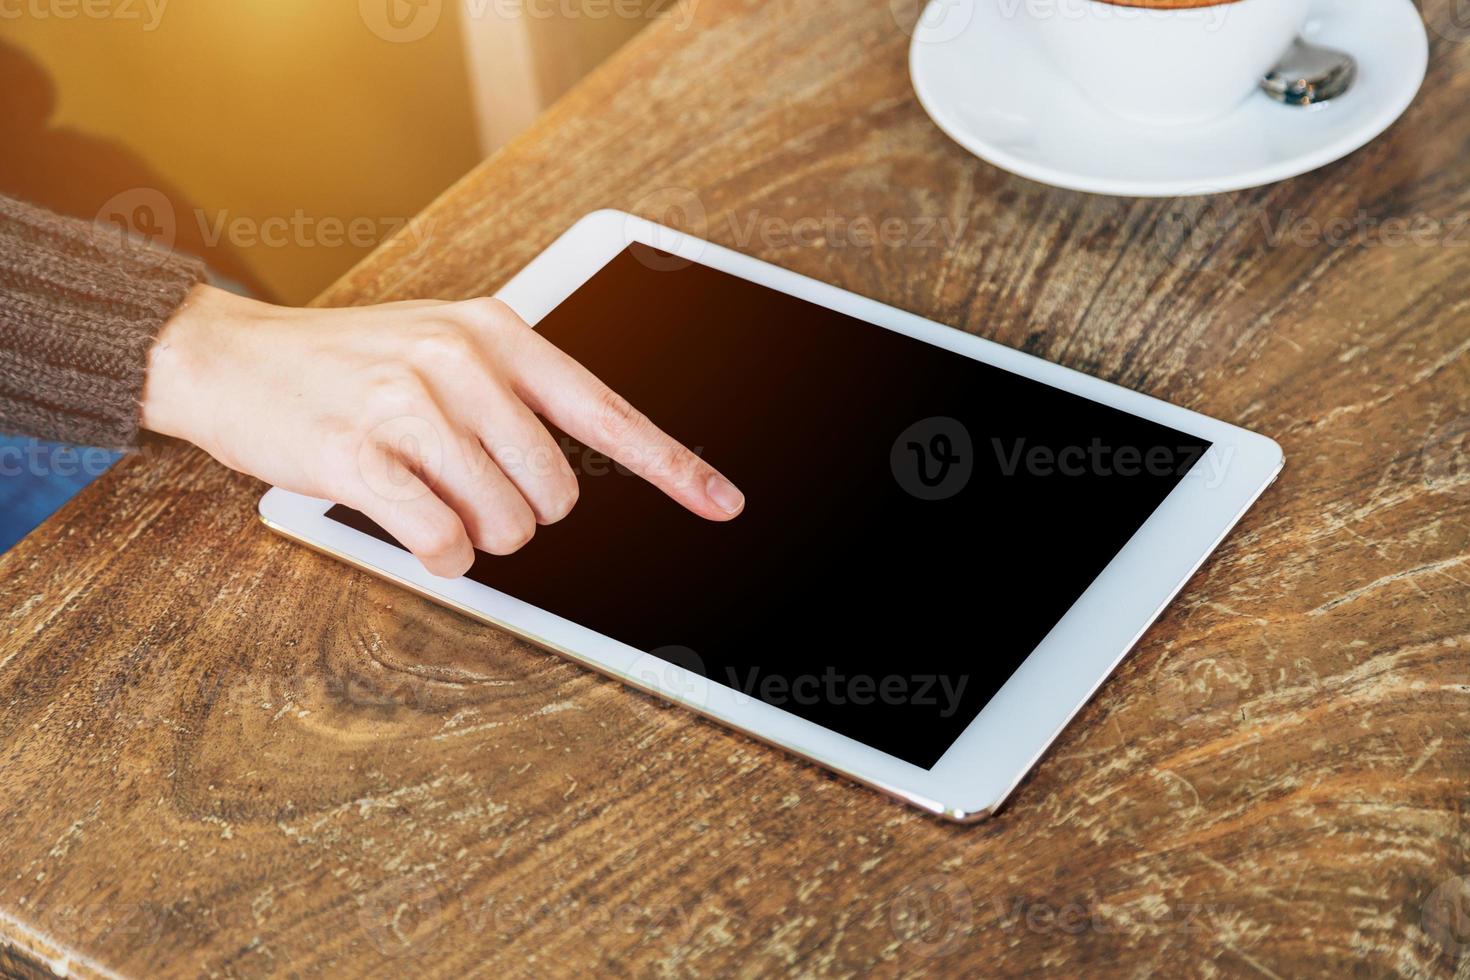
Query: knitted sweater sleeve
[80,307]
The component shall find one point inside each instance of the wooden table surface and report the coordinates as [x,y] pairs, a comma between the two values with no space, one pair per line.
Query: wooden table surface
[222,754]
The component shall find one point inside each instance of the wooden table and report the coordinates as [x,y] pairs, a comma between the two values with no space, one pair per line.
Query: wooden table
[222,754]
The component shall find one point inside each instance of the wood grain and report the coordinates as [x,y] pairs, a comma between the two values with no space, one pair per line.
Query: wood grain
[224,755]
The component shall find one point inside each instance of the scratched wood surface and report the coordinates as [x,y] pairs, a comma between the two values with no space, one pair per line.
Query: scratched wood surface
[221,754]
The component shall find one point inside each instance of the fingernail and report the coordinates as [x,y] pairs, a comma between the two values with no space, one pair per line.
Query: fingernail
[724,494]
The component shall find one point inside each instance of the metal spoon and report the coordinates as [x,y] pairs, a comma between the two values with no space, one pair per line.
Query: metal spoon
[1310,73]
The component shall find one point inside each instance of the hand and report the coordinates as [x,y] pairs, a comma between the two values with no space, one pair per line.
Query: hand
[421,415]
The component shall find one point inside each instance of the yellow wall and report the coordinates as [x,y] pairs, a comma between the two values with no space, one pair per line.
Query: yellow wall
[239,111]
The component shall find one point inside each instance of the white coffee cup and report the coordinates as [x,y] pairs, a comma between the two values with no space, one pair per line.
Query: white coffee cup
[1165,66]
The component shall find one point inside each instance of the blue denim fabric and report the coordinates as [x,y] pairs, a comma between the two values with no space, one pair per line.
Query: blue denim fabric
[37,477]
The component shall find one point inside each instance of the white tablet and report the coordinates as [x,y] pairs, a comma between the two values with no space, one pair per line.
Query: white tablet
[946,548]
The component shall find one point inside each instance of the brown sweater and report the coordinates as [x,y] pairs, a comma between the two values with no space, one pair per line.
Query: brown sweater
[79,309]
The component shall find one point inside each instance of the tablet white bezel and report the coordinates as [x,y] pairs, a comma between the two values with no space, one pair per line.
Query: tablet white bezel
[1007,738]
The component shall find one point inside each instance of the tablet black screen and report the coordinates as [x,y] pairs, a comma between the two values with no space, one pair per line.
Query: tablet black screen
[915,521]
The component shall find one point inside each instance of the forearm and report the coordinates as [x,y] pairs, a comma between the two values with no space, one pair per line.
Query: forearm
[428,417]
[79,311]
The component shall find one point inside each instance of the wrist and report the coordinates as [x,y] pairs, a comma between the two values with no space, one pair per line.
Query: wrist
[175,390]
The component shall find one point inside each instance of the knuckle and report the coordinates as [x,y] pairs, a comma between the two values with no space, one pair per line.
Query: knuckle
[616,419]
[566,498]
[340,445]
[511,536]
[341,460]
[395,393]
[685,464]
[487,313]
[440,539]
[440,346]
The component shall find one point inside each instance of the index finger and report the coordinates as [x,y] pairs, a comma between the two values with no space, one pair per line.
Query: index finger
[552,383]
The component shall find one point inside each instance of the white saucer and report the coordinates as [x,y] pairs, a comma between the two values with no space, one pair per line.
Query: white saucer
[983,78]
